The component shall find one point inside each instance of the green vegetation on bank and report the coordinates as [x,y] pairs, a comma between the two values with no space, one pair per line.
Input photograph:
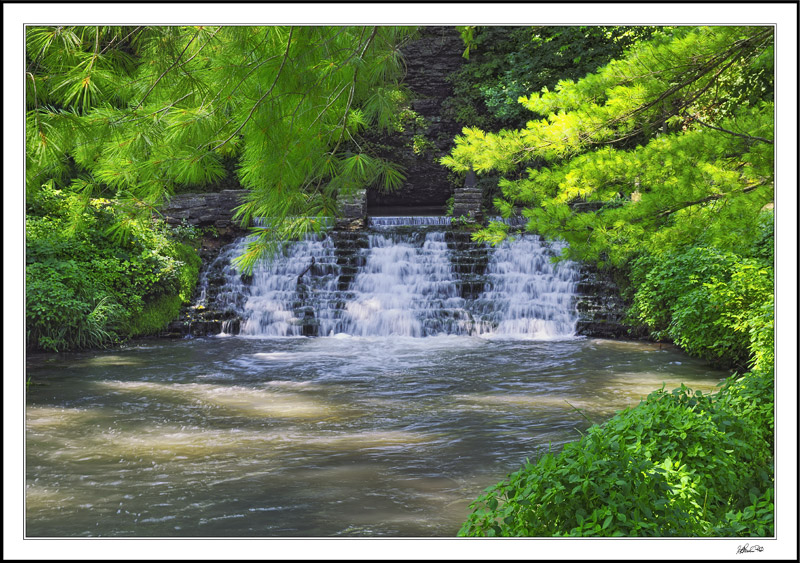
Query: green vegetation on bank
[679,464]
[657,166]
[85,289]
[715,305]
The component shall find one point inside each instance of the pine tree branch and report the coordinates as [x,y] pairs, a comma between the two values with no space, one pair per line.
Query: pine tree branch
[695,74]
[187,61]
[173,65]
[352,90]
[35,95]
[235,88]
[110,43]
[684,205]
[262,98]
[712,197]
[709,66]
[748,137]
[96,47]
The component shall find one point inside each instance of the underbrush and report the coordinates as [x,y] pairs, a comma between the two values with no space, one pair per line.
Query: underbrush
[707,301]
[86,288]
[680,464]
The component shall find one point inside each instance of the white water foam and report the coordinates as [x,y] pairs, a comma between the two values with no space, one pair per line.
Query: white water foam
[405,285]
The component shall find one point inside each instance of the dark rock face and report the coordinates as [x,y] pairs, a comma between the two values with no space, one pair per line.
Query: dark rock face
[206,210]
[427,135]
[601,308]
[212,212]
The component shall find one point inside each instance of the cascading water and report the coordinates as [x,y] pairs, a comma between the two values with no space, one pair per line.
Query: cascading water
[406,276]
[287,296]
[404,289]
[526,294]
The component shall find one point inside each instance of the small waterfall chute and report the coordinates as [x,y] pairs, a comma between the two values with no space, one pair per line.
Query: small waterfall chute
[393,281]
[526,294]
[404,289]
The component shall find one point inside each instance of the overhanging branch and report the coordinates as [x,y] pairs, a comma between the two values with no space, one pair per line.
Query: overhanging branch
[706,199]
[262,98]
[173,65]
[742,135]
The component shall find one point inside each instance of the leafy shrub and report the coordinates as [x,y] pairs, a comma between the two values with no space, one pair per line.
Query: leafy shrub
[66,309]
[162,309]
[762,336]
[764,243]
[86,289]
[155,315]
[709,302]
[681,463]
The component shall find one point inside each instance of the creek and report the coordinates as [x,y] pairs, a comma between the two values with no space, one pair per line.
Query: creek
[421,387]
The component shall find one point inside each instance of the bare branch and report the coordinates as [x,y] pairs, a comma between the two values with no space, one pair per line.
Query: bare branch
[110,43]
[748,137]
[712,197]
[352,90]
[173,65]
[184,63]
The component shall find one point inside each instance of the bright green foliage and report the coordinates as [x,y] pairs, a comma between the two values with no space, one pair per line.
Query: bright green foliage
[133,114]
[715,305]
[679,464]
[86,290]
[508,62]
[158,311]
[648,154]
[155,315]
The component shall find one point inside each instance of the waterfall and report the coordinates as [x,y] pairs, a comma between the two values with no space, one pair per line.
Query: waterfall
[395,280]
[404,289]
[280,291]
[526,294]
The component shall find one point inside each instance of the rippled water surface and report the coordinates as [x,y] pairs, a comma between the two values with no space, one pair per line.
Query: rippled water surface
[315,437]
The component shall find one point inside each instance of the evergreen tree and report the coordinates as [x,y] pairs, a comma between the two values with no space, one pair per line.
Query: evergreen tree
[505,63]
[669,146]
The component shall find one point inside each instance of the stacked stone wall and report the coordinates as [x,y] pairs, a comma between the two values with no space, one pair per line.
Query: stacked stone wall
[429,59]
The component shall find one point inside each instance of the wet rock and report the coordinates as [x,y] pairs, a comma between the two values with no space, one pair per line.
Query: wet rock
[601,308]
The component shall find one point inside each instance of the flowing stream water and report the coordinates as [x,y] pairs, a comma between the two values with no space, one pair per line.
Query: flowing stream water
[436,373]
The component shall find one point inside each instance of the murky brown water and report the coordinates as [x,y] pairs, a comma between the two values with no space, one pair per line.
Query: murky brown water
[317,437]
